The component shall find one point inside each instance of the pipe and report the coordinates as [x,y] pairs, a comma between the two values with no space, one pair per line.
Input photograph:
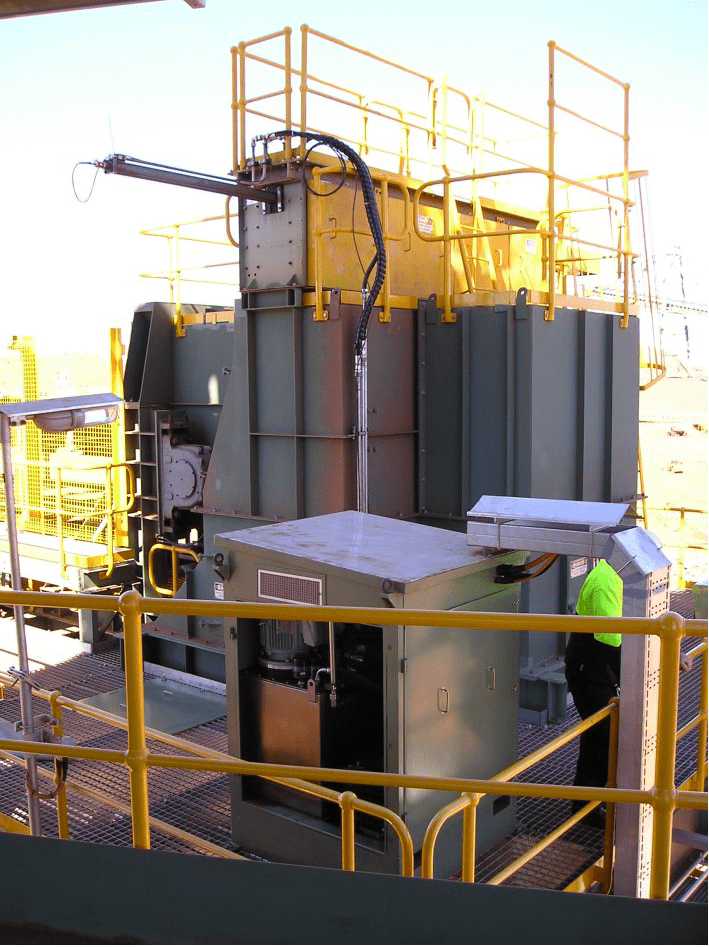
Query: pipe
[361,433]
[333,679]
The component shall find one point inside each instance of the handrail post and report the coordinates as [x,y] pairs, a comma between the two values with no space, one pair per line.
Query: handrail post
[672,626]
[242,106]
[682,540]
[60,521]
[626,216]
[234,110]
[551,274]
[303,87]
[130,605]
[448,314]
[62,819]
[606,872]
[347,801]
[288,91]
[469,830]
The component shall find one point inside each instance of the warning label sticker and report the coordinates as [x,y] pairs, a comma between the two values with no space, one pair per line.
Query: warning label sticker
[219,590]
[578,567]
[425,224]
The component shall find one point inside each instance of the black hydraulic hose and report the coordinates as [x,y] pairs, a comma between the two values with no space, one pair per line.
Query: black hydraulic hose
[375,225]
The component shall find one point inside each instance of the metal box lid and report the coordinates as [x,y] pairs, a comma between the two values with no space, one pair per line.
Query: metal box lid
[571,527]
[361,543]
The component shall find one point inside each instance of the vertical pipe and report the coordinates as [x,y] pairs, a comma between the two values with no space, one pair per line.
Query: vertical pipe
[606,878]
[130,607]
[347,800]
[626,209]
[641,478]
[551,275]
[242,106]
[362,431]
[303,87]
[331,643]
[27,714]
[469,829]
[234,111]
[174,557]
[672,626]
[682,540]
[444,125]
[447,314]
[289,90]
[60,521]
[62,820]
[110,517]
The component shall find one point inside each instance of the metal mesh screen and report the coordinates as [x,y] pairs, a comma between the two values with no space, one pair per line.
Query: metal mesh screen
[79,492]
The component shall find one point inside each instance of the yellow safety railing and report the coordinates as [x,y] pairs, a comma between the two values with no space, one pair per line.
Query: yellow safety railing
[699,722]
[468,803]
[192,233]
[382,181]
[176,550]
[682,545]
[84,494]
[451,130]
[664,797]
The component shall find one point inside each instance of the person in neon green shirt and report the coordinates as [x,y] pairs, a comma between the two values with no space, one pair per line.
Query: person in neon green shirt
[592,665]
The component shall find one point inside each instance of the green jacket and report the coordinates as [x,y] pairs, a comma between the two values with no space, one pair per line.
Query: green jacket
[602,594]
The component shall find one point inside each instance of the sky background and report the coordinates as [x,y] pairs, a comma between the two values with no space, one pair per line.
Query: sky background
[153,80]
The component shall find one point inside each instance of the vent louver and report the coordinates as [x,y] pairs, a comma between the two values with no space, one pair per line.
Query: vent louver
[293,589]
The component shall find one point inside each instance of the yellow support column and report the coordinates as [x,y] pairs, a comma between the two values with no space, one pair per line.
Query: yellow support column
[347,800]
[665,802]
[469,829]
[136,757]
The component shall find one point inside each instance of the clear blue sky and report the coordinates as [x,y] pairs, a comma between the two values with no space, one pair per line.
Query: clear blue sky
[152,80]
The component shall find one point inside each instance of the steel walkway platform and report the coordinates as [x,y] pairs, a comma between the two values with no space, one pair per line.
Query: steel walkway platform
[199,803]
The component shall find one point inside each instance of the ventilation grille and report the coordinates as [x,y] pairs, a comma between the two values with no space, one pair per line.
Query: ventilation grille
[294,589]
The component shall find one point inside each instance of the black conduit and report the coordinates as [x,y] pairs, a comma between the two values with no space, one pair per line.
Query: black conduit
[343,150]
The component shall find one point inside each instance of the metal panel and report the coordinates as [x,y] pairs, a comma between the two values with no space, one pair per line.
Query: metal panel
[473,732]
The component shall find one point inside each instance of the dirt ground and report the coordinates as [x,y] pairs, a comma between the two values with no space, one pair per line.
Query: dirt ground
[674,446]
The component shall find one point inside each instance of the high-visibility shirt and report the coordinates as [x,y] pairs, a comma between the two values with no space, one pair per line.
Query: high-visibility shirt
[602,594]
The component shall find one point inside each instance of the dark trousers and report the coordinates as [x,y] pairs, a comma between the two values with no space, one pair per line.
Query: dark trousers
[590,696]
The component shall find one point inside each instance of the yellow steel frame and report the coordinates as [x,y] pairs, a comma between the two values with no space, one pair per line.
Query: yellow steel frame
[441,132]
[104,507]
[664,797]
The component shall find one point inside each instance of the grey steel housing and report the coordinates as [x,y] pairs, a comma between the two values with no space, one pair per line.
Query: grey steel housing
[449,696]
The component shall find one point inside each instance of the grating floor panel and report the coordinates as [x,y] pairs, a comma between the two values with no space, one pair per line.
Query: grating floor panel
[199,803]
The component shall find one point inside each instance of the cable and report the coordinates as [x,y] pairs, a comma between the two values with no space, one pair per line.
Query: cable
[343,176]
[343,150]
[507,574]
[93,164]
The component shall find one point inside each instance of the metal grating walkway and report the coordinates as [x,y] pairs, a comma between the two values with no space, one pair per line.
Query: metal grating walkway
[199,803]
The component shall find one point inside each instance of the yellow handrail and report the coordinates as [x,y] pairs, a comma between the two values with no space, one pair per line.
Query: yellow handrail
[468,802]
[175,550]
[664,797]
[108,513]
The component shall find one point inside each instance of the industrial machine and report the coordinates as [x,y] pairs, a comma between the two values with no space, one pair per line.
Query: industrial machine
[388,699]
[408,338]
[414,331]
